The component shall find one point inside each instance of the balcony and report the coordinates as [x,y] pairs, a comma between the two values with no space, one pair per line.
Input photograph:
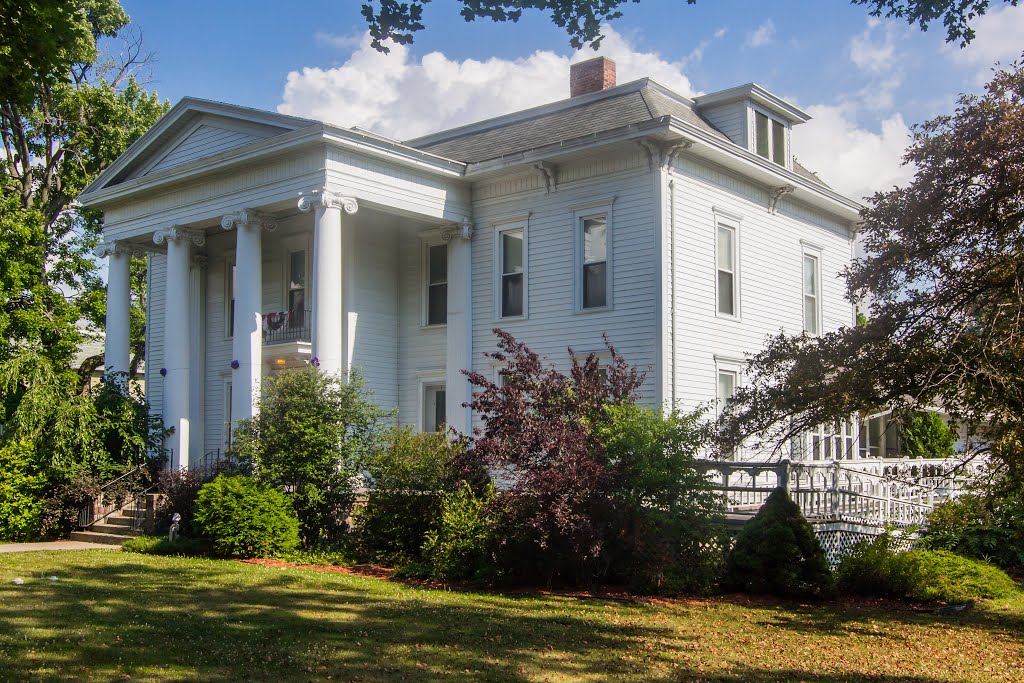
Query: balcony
[286,327]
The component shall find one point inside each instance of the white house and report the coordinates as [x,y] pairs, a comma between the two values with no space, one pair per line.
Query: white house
[682,228]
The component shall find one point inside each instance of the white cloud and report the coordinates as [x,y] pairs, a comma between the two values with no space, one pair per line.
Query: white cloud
[871,52]
[852,159]
[763,35]
[998,39]
[398,96]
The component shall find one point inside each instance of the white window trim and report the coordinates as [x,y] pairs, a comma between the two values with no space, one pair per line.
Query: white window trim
[583,212]
[289,247]
[496,285]
[229,263]
[729,221]
[808,250]
[429,240]
[424,379]
[226,386]
[727,364]
[771,136]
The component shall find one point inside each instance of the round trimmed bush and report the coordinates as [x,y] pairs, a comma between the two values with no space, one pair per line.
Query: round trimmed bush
[777,553]
[243,518]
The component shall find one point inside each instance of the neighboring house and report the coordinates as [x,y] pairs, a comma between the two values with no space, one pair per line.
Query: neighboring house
[682,228]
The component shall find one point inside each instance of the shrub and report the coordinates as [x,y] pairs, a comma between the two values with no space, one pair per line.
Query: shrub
[64,499]
[461,545]
[878,569]
[926,435]
[179,491]
[672,534]
[243,518]
[309,436]
[405,478]
[161,545]
[986,526]
[22,486]
[776,552]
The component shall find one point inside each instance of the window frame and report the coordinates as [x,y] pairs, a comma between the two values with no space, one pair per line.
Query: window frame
[755,137]
[816,253]
[499,230]
[429,379]
[290,247]
[602,209]
[730,222]
[425,284]
[229,295]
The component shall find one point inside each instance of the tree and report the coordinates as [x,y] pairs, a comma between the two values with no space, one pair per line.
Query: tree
[66,112]
[397,21]
[945,282]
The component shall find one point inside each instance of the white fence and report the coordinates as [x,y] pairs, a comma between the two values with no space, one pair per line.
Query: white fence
[878,492]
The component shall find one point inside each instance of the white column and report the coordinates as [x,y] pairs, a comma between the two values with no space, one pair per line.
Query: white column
[328,331]
[459,355]
[117,345]
[178,339]
[247,345]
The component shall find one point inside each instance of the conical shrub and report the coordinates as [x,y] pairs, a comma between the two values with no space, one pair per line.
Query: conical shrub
[777,553]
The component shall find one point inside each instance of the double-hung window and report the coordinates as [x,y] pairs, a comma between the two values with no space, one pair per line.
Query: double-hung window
[434,417]
[512,272]
[812,293]
[594,274]
[229,286]
[437,284]
[727,381]
[770,138]
[296,288]
[726,259]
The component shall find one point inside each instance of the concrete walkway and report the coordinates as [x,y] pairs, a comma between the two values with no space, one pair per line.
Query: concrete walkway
[54,545]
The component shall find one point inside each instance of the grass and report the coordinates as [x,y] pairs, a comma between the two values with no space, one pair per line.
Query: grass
[120,615]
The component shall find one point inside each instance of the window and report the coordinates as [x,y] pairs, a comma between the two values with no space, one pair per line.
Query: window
[770,138]
[594,234]
[296,288]
[812,297]
[511,259]
[227,415]
[437,284]
[727,381]
[726,267]
[434,417]
[230,278]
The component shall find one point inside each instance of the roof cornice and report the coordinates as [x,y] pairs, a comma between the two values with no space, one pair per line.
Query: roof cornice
[755,92]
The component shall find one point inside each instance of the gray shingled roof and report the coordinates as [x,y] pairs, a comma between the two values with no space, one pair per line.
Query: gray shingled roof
[802,170]
[632,104]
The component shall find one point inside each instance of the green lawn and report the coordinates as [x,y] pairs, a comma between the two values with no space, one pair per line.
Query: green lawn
[117,615]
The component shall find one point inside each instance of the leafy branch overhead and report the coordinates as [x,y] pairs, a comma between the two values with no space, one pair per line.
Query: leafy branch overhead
[395,21]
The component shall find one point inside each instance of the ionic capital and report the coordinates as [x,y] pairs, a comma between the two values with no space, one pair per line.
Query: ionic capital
[249,218]
[460,231]
[328,200]
[104,249]
[180,232]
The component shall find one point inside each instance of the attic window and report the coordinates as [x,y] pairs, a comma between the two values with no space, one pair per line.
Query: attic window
[770,138]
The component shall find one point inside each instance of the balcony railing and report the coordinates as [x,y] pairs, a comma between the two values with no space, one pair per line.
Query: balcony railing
[282,327]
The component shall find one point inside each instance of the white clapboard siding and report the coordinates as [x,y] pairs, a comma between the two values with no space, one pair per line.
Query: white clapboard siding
[204,141]
[157,274]
[421,350]
[374,308]
[553,324]
[730,119]
[770,274]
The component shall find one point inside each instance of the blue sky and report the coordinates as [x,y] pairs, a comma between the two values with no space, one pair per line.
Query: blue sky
[864,81]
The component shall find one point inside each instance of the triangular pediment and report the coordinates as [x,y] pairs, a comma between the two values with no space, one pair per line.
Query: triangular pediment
[191,131]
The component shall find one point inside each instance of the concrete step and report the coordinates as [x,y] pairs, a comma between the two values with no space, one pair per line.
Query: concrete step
[94,537]
[121,519]
[115,529]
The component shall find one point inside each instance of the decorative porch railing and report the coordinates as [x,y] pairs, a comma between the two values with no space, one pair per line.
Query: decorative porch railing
[125,493]
[282,327]
[876,491]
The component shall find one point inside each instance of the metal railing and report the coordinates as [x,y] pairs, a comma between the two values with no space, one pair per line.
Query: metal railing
[124,493]
[282,327]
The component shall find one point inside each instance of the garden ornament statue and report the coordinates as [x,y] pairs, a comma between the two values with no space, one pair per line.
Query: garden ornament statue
[172,535]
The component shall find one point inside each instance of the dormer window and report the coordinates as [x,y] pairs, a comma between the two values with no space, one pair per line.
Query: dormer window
[770,138]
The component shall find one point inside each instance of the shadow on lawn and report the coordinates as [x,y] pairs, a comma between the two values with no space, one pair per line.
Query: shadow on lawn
[220,621]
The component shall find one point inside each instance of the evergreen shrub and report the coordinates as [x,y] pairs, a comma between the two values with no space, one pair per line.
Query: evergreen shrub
[460,547]
[22,485]
[244,518]
[777,553]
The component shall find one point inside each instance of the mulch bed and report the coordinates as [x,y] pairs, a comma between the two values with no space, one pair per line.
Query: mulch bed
[613,595]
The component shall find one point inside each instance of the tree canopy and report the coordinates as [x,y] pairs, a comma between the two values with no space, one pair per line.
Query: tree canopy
[397,21]
[944,287]
[70,103]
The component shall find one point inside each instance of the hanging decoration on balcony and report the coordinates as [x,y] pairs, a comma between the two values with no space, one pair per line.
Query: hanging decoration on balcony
[275,321]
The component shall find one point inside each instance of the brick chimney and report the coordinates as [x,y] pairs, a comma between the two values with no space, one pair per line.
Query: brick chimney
[590,76]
